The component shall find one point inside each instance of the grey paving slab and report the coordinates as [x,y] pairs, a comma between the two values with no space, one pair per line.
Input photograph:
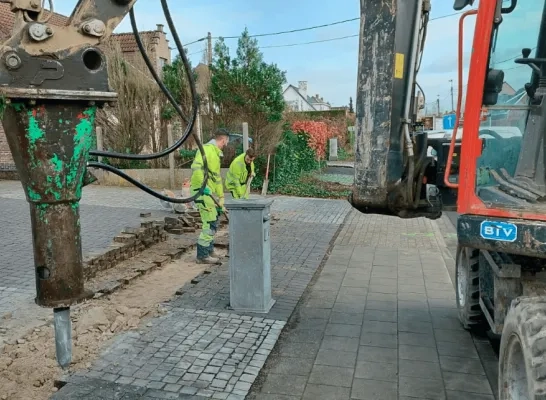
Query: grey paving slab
[392,331]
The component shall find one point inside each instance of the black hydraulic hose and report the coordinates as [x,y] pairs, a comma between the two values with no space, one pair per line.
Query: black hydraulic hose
[142,186]
[420,182]
[195,104]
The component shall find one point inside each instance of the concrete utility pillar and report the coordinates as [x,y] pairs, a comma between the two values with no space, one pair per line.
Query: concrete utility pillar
[333,149]
[250,254]
[245,136]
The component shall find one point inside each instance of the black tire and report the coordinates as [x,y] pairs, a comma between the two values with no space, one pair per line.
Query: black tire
[522,356]
[467,288]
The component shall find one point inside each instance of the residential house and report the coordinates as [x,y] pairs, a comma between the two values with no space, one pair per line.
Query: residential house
[297,99]
[156,41]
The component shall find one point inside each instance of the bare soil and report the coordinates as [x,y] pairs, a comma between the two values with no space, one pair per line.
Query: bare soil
[28,368]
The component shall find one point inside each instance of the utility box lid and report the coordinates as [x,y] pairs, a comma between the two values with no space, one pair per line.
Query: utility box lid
[253,202]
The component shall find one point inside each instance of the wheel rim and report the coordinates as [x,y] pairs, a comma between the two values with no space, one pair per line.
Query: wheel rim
[515,385]
[462,278]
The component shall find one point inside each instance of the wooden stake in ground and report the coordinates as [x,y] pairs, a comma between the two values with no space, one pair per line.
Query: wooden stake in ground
[266,180]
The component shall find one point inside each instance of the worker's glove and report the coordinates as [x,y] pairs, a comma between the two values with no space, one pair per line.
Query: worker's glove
[207,191]
[221,210]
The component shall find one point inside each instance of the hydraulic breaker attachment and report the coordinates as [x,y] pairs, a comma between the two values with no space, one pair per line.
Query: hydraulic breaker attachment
[50,143]
[52,79]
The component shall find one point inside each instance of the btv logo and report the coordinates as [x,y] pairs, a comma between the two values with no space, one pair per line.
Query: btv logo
[500,231]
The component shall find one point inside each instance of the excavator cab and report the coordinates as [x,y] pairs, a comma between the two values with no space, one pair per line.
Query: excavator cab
[502,172]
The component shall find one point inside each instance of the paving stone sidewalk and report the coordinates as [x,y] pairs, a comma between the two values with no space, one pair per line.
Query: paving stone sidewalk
[201,348]
[379,323]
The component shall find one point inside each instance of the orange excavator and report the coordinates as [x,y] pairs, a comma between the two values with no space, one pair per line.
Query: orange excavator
[52,79]
[495,171]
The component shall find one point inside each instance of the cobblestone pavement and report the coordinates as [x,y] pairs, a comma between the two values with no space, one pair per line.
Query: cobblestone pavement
[201,348]
[104,213]
[379,323]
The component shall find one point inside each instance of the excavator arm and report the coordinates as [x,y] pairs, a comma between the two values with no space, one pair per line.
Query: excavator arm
[391,164]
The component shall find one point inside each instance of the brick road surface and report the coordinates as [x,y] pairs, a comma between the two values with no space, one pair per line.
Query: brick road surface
[376,320]
[104,213]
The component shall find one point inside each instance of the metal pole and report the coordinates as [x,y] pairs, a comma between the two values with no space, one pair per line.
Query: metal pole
[171,156]
[438,101]
[452,102]
[209,48]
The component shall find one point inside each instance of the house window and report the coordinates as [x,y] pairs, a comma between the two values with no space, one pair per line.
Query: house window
[162,62]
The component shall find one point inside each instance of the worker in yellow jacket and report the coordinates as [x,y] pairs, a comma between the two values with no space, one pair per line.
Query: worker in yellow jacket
[208,210]
[240,171]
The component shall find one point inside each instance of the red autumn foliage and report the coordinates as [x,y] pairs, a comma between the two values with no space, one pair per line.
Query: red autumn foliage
[319,134]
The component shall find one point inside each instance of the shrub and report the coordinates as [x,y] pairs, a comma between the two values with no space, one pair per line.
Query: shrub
[318,135]
[293,158]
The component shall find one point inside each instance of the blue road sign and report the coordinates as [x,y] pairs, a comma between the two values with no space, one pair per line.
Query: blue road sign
[501,231]
[449,121]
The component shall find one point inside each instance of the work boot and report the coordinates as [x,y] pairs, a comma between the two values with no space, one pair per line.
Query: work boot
[212,251]
[204,256]
[208,260]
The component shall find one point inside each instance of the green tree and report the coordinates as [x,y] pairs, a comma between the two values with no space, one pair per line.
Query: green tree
[351,109]
[176,80]
[247,89]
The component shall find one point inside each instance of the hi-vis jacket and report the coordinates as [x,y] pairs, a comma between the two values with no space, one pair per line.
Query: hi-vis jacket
[237,175]
[214,183]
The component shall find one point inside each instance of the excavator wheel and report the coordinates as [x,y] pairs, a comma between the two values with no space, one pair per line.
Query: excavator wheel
[522,356]
[467,283]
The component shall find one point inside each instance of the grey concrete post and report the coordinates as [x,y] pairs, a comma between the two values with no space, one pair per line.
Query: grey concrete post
[245,136]
[100,142]
[171,156]
[250,254]
[199,132]
[333,149]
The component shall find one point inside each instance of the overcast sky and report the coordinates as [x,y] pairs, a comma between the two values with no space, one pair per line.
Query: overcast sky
[329,67]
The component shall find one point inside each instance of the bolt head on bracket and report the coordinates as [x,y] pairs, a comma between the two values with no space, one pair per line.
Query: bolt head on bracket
[12,60]
[39,32]
[94,27]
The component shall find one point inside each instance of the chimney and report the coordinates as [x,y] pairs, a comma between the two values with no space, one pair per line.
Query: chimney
[302,86]
[159,27]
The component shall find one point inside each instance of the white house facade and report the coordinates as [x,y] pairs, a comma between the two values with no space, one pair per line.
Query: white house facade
[297,99]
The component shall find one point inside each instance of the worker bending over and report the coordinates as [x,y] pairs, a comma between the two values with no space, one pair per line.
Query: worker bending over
[240,171]
[208,210]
